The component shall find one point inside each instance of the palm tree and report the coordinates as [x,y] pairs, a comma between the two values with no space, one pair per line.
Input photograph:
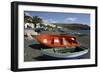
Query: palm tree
[27,19]
[36,20]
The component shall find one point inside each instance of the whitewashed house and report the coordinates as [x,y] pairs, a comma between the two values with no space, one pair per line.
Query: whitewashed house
[59,27]
[38,25]
[52,25]
[29,25]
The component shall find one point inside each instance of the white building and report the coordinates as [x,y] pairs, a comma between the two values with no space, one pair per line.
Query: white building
[38,25]
[29,25]
[59,27]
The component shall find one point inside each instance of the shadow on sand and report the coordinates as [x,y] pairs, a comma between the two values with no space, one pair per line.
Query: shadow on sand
[38,46]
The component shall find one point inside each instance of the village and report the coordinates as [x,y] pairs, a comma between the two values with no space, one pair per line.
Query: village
[36,29]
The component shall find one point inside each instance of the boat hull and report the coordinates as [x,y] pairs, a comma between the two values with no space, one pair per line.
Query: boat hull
[57,40]
[64,55]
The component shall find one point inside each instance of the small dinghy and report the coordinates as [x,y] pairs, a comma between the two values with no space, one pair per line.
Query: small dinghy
[71,53]
[57,40]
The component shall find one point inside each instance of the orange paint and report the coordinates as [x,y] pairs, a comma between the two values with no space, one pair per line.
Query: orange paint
[57,40]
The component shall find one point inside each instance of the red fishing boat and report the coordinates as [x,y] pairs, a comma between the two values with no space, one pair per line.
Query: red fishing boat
[57,40]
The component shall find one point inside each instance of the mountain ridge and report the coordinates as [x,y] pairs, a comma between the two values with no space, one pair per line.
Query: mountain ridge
[73,26]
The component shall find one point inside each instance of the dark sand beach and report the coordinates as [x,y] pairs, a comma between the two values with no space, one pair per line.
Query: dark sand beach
[34,54]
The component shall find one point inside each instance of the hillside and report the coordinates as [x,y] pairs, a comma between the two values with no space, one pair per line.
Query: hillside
[73,26]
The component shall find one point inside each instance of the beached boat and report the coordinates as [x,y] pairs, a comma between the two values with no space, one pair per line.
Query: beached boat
[57,40]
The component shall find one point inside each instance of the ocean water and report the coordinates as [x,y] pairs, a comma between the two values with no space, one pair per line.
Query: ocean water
[83,31]
[77,31]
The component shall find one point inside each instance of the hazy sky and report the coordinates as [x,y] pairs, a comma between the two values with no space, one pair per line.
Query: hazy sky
[58,17]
